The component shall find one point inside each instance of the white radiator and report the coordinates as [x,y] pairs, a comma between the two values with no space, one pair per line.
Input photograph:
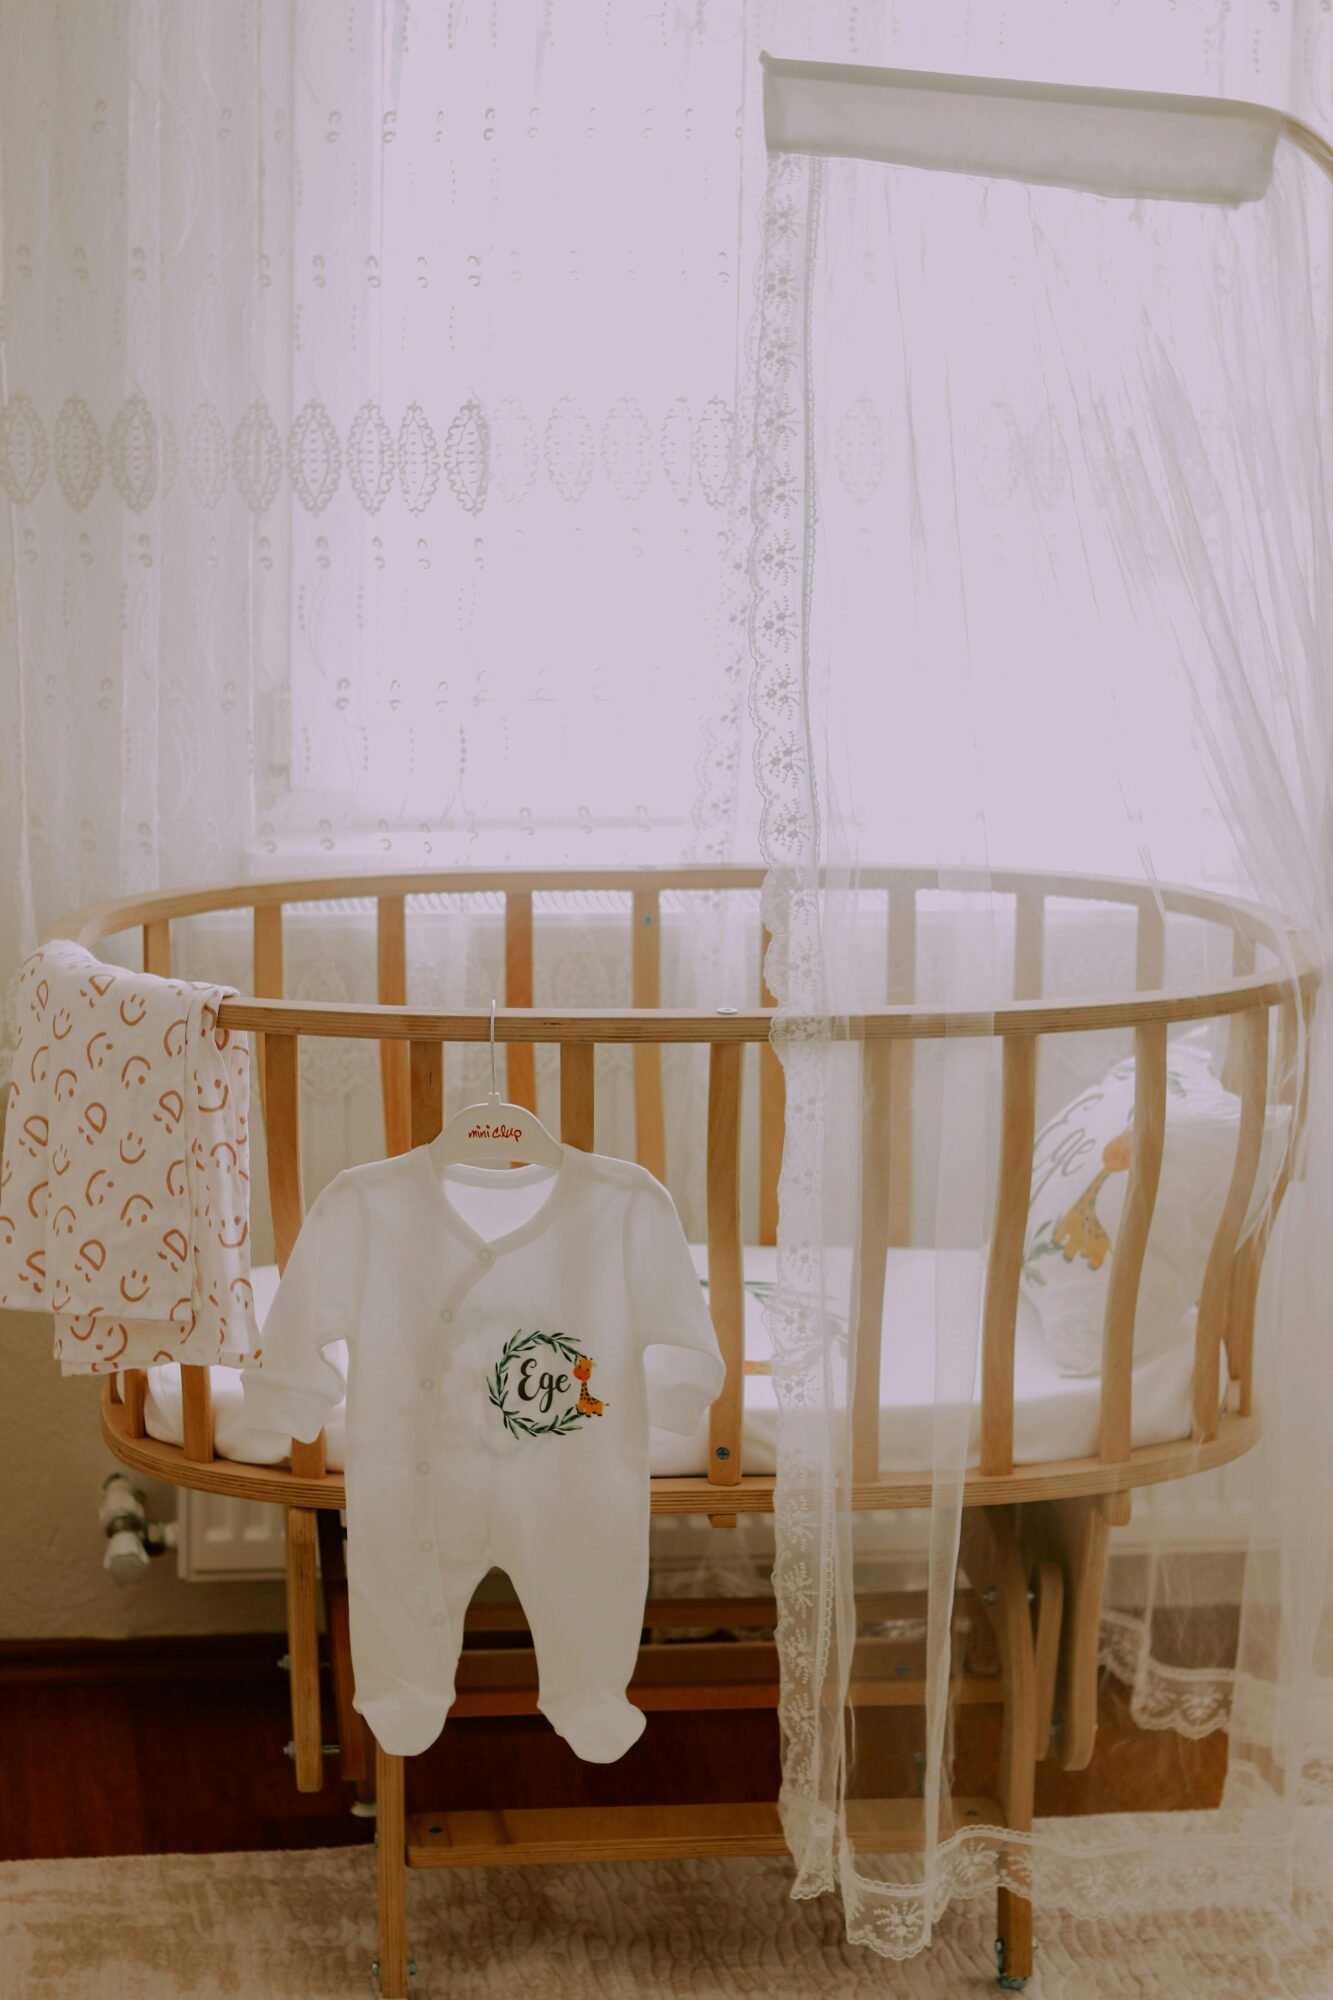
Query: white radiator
[1210,1511]
[239,1541]
[242,1540]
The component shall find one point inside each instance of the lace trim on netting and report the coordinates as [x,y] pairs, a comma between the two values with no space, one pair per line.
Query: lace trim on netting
[1164,1864]
[806,1576]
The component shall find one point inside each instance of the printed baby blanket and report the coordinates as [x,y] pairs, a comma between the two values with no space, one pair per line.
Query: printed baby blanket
[124,1184]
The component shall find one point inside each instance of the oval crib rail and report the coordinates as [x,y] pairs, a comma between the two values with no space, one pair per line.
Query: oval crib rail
[412,1063]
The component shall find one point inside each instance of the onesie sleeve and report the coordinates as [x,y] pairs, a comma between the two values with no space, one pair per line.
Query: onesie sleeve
[683,1366]
[289,1387]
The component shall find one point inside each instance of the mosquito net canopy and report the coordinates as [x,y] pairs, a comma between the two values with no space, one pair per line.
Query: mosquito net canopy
[1039,601]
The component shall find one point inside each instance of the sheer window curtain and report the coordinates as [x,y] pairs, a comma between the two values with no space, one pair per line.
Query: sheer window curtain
[367,418]
[368,404]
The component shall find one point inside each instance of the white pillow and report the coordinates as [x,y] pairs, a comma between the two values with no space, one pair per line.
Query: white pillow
[1079,1177]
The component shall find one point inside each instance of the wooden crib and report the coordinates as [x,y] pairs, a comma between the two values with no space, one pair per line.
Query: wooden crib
[1035,1538]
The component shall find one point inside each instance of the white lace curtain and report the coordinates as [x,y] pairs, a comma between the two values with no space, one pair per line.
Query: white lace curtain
[367,410]
[367,417]
[367,389]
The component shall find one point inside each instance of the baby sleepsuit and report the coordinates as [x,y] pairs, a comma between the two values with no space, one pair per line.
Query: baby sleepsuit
[512,1334]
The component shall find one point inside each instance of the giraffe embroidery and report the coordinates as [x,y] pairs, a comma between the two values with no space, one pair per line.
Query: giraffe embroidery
[1079,1233]
[588,1405]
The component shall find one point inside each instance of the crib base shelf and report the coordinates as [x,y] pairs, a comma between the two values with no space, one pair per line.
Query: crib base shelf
[705,1675]
[654,1833]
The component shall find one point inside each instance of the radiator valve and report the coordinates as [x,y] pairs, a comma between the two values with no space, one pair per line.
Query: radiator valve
[131,1538]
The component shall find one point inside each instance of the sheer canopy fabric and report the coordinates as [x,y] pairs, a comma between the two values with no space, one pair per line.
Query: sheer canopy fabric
[442,435]
[1020,445]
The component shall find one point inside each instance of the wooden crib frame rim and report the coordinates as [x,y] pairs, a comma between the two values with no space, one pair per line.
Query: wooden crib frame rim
[753,1493]
[128,911]
[390,1022]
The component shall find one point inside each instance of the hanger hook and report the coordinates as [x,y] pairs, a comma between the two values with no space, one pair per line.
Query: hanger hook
[494,1091]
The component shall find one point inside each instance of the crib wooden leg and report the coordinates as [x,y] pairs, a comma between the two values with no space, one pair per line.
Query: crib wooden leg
[303,1648]
[1074,1534]
[353,1762]
[995,1566]
[1013,1940]
[391,1855]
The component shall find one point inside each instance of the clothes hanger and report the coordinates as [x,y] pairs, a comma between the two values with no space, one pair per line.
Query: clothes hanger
[494,1133]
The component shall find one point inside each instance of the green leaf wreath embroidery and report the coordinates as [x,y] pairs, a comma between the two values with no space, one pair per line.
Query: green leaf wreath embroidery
[515,1422]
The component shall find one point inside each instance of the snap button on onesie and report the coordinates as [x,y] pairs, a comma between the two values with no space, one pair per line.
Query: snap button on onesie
[498,1415]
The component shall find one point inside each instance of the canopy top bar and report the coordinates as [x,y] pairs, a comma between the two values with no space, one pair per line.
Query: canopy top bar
[1127,144]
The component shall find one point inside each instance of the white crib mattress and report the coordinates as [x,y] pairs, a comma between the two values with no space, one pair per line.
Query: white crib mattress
[1055,1416]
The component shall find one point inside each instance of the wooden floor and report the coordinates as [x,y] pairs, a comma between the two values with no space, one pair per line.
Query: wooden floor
[176,1746]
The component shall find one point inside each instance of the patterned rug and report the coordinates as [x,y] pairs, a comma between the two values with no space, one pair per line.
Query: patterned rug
[300,1926]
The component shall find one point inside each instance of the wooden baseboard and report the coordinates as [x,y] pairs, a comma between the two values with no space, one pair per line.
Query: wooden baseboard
[169,1656]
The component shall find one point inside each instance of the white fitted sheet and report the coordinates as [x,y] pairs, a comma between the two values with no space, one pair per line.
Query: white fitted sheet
[1055,1416]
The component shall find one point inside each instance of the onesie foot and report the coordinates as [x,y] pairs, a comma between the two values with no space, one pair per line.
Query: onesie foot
[404,1727]
[599,1729]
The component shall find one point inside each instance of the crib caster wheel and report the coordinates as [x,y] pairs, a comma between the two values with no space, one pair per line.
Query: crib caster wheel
[1006,1981]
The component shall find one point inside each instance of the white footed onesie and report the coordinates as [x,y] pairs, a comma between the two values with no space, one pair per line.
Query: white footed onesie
[499,1402]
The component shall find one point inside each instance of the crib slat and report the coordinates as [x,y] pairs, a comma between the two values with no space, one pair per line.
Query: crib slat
[1122,1292]
[1005,1268]
[268,976]
[1233,1062]
[282,1134]
[1250,1256]
[772,1112]
[1149,977]
[268,957]
[1029,944]
[391,991]
[646,972]
[520,1057]
[726,1289]
[1288,1054]
[1150,949]
[1308,1003]
[1215,1295]
[577,1083]
[902,1066]
[197,1411]
[134,1394]
[157,947]
[872,1250]
[426,1091]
